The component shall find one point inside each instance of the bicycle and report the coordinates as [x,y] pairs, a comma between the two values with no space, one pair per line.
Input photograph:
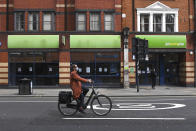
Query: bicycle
[100,104]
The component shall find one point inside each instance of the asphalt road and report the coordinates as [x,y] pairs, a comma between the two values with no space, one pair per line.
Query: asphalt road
[128,114]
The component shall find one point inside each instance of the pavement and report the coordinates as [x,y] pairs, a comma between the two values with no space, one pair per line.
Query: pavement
[112,92]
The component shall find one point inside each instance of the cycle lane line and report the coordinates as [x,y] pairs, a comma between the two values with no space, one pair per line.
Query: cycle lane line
[166,119]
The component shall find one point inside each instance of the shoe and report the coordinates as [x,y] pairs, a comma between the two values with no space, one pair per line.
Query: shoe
[81,110]
[84,107]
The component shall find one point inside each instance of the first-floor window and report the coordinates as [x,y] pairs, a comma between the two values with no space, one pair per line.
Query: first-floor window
[94,22]
[170,22]
[48,21]
[19,21]
[157,22]
[144,22]
[108,22]
[81,22]
[33,21]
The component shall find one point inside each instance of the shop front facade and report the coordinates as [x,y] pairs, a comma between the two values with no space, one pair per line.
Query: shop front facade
[34,57]
[168,56]
[98,58]
[46,59]
[169,31]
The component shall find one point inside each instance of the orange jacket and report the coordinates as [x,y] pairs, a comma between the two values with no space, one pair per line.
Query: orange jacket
[76,85]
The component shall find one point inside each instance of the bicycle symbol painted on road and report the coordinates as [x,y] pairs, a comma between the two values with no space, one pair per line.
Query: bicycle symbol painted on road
[142,106]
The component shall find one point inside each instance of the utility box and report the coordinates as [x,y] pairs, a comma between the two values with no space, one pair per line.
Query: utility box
[25,87]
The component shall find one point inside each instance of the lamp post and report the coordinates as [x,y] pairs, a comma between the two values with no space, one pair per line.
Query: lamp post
[126,56]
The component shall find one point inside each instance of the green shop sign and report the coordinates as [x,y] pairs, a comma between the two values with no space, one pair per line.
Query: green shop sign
[95,41]
[164,41]
[33,41]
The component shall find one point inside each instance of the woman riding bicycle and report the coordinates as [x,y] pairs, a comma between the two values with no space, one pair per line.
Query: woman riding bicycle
[79,92]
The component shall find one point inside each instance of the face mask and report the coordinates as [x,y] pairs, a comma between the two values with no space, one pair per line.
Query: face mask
[77,68]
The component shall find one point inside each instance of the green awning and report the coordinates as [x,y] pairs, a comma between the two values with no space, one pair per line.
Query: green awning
[95,41]
[164,41]
[33,41]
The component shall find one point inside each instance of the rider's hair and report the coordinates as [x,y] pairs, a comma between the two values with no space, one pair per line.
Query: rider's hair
[73,66]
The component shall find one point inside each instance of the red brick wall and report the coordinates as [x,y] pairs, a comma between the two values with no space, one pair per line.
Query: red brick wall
[36,4]
[94,4]
[3,40]
[127,9]
[2,22]
[190,41]
[3,16]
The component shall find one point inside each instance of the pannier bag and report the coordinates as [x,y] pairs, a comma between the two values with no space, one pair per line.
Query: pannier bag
[65,97]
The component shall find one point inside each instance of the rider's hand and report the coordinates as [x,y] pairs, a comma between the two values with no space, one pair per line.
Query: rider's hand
[89,80]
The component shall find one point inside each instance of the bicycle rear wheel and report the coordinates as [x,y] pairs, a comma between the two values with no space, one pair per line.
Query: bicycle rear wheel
[68,109]
[101,105]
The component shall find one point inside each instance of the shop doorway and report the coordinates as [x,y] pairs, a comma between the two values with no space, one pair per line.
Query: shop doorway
[169,74]
[166,66]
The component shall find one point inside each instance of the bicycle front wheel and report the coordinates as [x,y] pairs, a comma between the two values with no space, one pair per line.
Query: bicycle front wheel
[68,109]
[101,105]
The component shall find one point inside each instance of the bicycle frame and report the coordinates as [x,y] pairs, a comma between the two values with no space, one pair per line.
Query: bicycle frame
[90,97]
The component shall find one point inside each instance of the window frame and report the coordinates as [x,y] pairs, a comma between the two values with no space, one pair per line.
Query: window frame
[38,21]
[144,14]
[15,21]
[99,22]
[156,24]
[52,21]
[112,21]
[85,18]
[170,23]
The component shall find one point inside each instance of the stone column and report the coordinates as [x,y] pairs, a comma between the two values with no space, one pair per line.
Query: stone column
[164,22]
[176,23]
[138,22]
[151,22]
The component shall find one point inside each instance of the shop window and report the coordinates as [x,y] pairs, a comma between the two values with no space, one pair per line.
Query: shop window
[19,21]
[81,22]
[108,22]
[100,70]
[95,22]
[33,21]
[88,70]
[48,21]
[41,67]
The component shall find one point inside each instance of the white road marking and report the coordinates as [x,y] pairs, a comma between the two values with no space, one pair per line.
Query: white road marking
[124,119]
[27,101]
[139,106]
[153,100]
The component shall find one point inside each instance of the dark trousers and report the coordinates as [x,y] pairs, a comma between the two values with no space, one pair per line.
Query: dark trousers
[82,95]
[153,83]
